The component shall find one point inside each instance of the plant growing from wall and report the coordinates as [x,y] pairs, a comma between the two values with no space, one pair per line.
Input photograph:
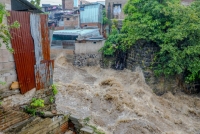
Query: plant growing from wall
[51,99]
[54,89]
[4,29]
[114,41]
[106,21]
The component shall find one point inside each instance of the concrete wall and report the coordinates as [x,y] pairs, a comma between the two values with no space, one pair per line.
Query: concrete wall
[89,47]
[7,64]
[87,54]
[7,3]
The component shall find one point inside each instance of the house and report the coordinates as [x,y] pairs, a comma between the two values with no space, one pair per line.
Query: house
[80,46]
[91,15]
[71,20]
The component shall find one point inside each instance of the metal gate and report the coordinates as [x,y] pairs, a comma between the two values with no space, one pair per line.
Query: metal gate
[31,50]
[23,46]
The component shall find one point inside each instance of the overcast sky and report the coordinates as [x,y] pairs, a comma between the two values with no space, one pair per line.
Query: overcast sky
[56,2]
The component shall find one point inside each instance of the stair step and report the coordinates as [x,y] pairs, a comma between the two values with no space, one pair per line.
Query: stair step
[35,128]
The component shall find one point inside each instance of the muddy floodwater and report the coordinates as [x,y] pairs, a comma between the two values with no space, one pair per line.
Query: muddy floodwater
[120,102]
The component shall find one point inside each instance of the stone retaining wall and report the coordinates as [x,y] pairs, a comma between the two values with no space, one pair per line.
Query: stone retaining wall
[142,55]
[87,59]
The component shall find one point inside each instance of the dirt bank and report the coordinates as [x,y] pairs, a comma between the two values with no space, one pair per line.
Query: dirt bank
[120,102]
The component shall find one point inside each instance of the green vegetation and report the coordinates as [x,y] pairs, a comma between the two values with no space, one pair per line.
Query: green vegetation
[2,83]
[36,3]
[175,28]
[37,102]
[51,99]
[114,41]
[30,110]
[106,21]
[54,89]
[4,28]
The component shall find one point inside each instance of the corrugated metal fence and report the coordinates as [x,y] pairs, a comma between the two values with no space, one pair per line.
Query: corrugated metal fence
[31,50]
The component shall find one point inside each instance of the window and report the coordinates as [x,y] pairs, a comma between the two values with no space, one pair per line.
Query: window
[94,42]
[68,18]
[117,9]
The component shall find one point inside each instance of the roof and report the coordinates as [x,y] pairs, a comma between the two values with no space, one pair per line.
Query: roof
[92,3]
[102,2]
[46,5]
[78,32]
[24,5]
[81,32]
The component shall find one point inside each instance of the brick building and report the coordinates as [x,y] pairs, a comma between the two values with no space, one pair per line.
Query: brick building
[69,4]
[71,21]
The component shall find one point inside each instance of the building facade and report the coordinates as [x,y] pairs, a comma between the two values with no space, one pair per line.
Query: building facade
[91,15]
[114,8]
[69,4]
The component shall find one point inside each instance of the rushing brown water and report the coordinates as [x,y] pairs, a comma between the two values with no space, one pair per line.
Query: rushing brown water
[120,102]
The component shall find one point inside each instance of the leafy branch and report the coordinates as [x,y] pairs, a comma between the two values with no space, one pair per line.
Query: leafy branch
[5,29]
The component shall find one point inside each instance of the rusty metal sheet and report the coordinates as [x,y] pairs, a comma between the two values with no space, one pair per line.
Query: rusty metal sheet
[23,46]
[44,74]
[45,36]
